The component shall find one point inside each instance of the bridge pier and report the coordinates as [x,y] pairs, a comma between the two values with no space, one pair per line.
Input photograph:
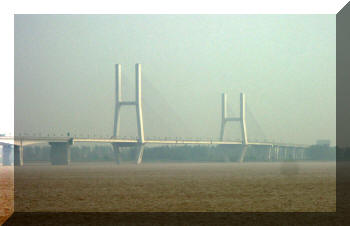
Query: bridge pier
[277,151]
[117,156]
[302,154]
[270,150]
[140,149]
[18,155]
[60,153]
[285,154]
[294,154]
[244,151]
[6,155]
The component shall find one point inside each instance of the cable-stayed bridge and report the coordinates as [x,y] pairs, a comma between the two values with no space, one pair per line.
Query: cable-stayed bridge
[60,155]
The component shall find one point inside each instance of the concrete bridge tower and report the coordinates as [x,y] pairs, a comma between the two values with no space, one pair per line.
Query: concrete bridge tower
[241,119]
[137,103]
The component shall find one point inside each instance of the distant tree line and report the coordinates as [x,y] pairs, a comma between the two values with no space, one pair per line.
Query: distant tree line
[203,153]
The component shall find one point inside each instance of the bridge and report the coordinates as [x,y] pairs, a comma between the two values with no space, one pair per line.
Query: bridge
[60,154]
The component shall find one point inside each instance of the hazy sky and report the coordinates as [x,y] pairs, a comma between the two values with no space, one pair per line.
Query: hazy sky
[286,65]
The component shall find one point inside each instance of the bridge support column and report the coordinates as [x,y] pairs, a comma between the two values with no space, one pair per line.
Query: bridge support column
[277,152]
[60,153]
[294,154]
[18,155]
[244,150]
[6,155]
[117,156]
[302,154]
[139,155]
[270,149]
[285,154]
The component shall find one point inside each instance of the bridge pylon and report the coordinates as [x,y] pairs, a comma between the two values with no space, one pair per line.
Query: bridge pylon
[138,105]
[241,119]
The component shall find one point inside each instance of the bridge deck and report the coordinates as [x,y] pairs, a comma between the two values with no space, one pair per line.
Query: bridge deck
[38,140]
